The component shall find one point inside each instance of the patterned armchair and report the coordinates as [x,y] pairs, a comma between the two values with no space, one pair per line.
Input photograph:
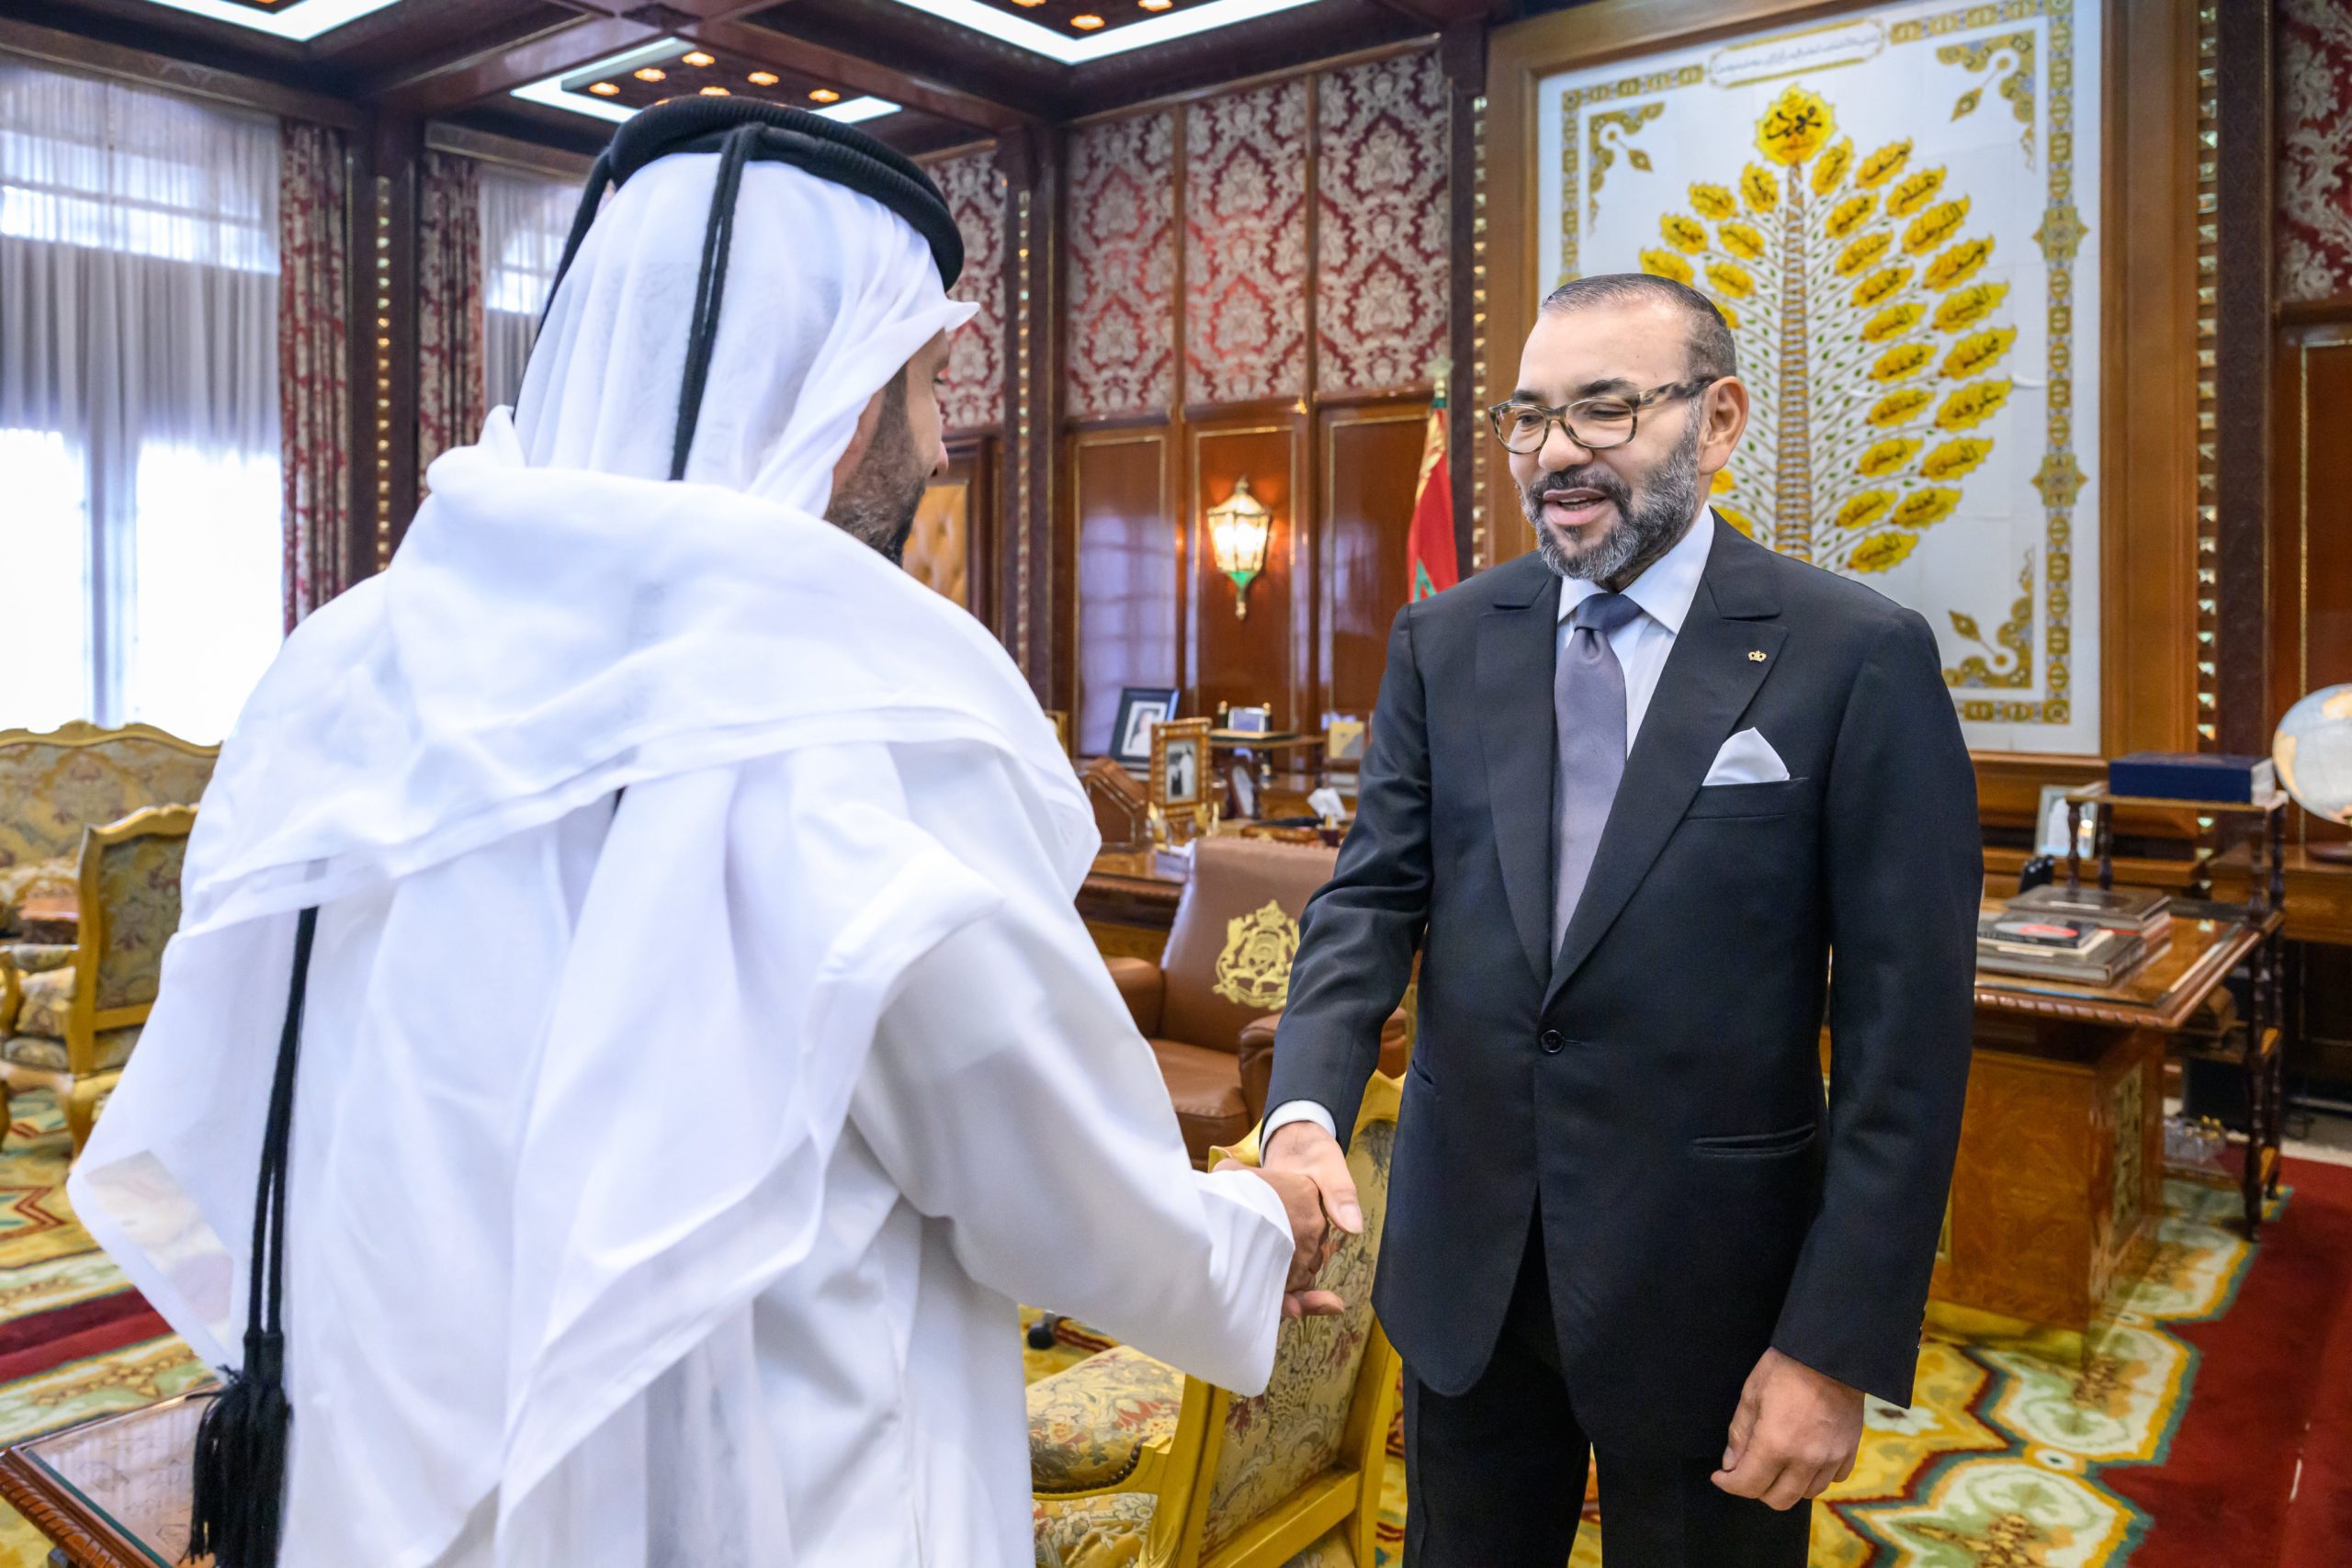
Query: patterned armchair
[1133,1462]
[54,785]
[69,1016]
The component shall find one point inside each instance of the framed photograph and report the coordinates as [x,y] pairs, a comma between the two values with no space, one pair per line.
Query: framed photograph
[1181,767]
[1249,721]
[1343,741]
[1142,709]
[2050,834]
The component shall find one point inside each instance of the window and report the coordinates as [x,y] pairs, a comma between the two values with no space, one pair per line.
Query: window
[140,526]
[524,220]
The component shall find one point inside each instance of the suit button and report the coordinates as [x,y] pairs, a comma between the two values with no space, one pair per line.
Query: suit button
[1552,1042]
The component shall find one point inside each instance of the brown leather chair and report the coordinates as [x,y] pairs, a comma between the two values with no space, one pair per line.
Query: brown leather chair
[1210,1005]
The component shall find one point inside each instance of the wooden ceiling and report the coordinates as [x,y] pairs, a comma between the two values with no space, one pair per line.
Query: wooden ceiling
[462,62]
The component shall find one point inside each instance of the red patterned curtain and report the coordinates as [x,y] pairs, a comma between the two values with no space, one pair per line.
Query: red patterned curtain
[449,406]
[313,386]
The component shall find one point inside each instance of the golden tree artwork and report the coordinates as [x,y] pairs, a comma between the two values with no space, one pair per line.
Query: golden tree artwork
[1868,337]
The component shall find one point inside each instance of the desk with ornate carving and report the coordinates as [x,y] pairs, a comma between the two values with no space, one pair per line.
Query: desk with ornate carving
[111,1492]
[2061,1147]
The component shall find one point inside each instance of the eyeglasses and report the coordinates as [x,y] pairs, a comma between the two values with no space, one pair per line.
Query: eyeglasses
[1594,424]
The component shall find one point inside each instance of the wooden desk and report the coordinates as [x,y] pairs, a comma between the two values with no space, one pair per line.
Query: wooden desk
[1129,903]
[2057,1187]
[2319,892]
[111,1492]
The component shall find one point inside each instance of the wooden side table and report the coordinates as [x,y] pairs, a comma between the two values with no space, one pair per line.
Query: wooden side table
[111,1492]
[2058,1184]
[2260,1058]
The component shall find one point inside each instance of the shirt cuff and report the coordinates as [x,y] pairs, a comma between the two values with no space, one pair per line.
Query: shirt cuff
[1291,1111]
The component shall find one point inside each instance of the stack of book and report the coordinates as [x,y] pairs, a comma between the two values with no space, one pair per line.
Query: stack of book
[2084,935]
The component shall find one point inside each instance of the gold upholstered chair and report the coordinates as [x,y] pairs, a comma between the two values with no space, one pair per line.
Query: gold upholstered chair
[69,1016]
[55,783]
[1133,1462]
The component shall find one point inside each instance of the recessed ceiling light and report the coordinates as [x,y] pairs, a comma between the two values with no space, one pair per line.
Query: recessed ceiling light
[824,95]
[1086,22]
[699,57]
[552,92]
[299,23]
[763,78]
[650,74]
[1023,33]
[1155,4]
[603,89]
[1031,3]
[714,91]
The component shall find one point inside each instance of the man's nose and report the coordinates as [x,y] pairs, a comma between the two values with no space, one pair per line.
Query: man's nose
[1560,450]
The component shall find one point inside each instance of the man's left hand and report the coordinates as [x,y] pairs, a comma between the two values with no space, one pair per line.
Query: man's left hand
[1794,1434]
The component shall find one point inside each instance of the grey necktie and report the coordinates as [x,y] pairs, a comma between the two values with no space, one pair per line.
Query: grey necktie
[1589,701]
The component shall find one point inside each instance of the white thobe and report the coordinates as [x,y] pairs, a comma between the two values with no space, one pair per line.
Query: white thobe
[678,1118]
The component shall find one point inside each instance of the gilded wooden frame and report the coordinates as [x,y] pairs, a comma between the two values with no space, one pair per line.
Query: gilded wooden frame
[1176,1467]
[1199,814]
[81,1085]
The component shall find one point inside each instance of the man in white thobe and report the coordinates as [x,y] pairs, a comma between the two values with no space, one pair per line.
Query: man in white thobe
[702,1051]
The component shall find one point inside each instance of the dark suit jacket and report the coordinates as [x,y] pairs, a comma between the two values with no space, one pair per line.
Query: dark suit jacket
[1657,1081]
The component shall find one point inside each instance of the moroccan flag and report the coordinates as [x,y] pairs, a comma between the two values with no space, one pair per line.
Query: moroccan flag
[1431,544]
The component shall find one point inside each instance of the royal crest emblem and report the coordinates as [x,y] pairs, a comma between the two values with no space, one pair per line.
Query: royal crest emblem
[1254,969]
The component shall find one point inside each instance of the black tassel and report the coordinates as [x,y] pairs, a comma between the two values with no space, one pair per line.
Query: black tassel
[238,1499]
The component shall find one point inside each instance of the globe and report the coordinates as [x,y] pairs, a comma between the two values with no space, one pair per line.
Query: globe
[2314,752]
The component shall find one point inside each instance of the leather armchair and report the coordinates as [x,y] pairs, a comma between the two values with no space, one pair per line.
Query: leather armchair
[1210,1005]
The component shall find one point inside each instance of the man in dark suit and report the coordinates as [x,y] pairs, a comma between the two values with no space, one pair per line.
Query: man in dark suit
[1626,797]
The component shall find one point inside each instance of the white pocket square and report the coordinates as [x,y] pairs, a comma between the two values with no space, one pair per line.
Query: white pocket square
[1747,759]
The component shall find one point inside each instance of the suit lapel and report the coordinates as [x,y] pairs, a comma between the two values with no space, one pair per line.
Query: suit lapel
[1709,679]
[1516,732]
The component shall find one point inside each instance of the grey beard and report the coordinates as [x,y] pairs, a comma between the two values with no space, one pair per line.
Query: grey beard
[1649,523]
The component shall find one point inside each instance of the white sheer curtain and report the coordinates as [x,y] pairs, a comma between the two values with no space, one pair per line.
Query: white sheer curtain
[140,523]
[524,220]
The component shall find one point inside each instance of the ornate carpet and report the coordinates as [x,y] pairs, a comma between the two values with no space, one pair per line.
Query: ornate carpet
[2216,1393]
[2010,1458]
[76,1340]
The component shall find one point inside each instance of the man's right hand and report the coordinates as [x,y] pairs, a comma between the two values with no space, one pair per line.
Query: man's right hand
[1303,1150]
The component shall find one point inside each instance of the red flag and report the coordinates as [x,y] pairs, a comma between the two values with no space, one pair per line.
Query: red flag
[1431,544]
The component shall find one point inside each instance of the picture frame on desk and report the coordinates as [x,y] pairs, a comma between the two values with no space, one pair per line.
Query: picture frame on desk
[1343,739]
[1180,768]
[1141,710]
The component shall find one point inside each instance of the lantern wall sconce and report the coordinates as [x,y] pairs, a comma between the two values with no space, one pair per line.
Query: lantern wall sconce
[1240,529]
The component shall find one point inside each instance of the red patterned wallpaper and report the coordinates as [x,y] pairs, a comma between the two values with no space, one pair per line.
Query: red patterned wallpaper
[2315,114]
[974,395]
[1381,226]
[1244,257]
[1122,266]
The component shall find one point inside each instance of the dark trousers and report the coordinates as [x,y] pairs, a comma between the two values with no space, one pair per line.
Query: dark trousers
[1493,1477]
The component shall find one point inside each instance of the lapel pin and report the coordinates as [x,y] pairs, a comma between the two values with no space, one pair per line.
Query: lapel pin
[1757,657]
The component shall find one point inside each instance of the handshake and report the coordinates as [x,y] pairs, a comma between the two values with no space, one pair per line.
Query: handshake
[1306,1166]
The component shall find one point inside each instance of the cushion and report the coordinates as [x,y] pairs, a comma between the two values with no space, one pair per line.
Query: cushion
[49,1001]
[1092,1532]
[32,957]
[1088,1424]
[48,1055]
[1205,1087]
